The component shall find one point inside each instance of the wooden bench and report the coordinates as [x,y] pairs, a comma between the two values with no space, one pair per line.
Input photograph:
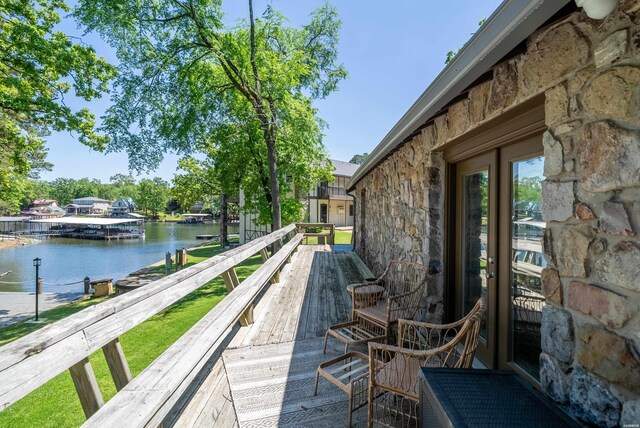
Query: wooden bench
[147,399]
[29,362]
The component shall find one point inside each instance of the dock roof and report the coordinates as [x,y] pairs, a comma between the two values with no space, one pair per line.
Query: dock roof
[87,221]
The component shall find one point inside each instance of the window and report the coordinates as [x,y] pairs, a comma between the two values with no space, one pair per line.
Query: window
[350,210]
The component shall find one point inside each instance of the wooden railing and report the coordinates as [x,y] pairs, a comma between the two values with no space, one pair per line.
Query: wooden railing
[327,231]
[32,360]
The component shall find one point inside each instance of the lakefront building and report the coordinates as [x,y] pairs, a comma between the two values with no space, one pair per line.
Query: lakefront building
[516,176]
[329,202]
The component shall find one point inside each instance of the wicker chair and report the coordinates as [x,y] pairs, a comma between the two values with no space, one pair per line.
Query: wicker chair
[394,295]
[393,370]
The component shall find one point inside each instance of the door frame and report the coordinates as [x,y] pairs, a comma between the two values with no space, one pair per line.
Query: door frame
[520,124]
[486,349]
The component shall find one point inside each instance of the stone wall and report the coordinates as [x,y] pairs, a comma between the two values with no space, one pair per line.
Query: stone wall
[589,73]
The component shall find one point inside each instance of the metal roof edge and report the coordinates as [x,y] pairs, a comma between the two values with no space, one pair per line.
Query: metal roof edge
[511,23]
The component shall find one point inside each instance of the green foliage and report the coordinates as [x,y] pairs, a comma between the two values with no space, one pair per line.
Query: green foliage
[196,183]
[153,195]
[452,54]
[359,159]
[38,66]
[242,95]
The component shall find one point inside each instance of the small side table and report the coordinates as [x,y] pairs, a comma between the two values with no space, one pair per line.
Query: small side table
[368,293]
[492,398]
[350,373]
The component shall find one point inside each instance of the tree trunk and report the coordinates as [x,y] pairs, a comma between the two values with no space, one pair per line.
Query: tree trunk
[275,187]
[224,218]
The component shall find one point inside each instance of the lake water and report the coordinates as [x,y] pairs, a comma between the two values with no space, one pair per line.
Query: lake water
[69,260]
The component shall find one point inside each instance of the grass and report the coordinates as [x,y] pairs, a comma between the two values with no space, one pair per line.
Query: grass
[56,404]
[342,237]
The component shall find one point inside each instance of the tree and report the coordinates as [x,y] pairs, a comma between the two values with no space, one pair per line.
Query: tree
[359,159]
[197,183]
[153,195]
[124,186]
[452,54]
[186,78]
[38,67]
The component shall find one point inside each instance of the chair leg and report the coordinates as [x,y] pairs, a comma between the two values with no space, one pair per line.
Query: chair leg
[350,417]
[346,347]
[315,388]
[370,413]
[326,336]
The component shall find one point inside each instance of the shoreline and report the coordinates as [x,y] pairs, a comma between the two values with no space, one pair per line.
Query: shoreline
[15,242]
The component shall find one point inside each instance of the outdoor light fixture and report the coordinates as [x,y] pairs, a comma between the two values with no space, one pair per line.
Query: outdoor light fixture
[597,9]
[36,263]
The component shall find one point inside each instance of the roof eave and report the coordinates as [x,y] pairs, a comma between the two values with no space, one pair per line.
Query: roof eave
[511,23]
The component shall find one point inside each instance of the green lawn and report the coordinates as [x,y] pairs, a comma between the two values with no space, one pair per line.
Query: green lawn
[342,237]
[56,404]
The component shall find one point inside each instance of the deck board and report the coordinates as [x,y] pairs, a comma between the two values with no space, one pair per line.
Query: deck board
[291,318]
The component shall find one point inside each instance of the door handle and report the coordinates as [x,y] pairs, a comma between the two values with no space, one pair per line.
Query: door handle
[488,275]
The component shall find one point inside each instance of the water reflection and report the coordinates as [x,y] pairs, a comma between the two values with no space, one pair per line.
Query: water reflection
[70,260]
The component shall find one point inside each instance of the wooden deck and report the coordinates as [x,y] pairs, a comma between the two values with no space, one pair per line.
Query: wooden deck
[271,364]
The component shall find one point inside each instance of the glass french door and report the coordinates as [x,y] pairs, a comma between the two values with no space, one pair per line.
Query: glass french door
[498,251]
[476,233]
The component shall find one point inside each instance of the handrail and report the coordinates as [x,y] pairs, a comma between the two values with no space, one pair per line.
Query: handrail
[29,362]
[148,398]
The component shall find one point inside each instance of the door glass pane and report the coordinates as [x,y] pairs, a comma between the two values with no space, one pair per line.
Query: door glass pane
[475,215]
[527,262]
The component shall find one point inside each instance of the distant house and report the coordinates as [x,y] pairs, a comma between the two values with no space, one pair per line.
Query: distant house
[329,201]
[122,206]
[44,208]
[88,205]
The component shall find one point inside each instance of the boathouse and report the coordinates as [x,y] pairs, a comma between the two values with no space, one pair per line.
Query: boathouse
[535,121]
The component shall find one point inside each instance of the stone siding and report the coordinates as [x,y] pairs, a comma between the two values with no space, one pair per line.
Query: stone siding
[589,73]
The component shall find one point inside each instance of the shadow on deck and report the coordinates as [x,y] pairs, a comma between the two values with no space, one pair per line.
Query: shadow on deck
[266,375]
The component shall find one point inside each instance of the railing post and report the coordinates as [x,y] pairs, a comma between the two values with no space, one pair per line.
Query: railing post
[117,363]
[231,281]
[86,386]
[265,256]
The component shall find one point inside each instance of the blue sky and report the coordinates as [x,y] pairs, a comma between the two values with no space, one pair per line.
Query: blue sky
[392,51]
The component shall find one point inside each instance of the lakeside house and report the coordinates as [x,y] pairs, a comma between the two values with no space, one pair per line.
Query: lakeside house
[327,202]
[122,206]
[88,205]
[540,107]
[43,209]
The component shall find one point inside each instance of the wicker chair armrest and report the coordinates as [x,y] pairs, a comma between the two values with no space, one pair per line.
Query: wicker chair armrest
[354,287]
[430,326]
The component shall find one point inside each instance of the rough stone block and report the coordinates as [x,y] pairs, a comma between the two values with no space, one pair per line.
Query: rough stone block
[557,333]
[611,309]
[609,157]
[614,219]
[592,401]
[583,212]
[547,246]
[504,87]
[553,155]
[615,93]
[629,6]
[458,118]
[567,128]
[608,356]
[611,48]
[620,265]
[441,126]
[554,379]
[558,51]
[557,200]
[478,97]
[573,247]
[551,286]
[631,409]
[556,105]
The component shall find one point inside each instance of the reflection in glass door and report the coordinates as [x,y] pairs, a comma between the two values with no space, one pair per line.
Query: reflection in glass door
[475,233]
[527,261]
